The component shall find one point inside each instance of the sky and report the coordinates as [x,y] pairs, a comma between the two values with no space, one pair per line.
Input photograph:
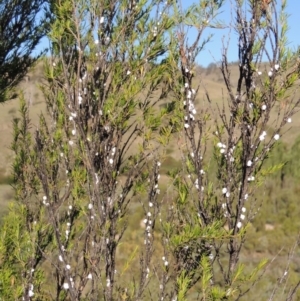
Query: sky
[212,52]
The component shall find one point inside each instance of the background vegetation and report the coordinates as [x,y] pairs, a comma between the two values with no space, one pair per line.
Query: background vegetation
[168,223]
[275,229]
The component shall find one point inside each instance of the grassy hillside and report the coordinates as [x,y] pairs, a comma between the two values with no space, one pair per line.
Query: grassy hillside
[209,79]
[276,224]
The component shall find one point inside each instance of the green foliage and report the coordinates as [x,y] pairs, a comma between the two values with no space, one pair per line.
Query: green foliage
[99,153]
[183,284]
[18,253]
[20,33]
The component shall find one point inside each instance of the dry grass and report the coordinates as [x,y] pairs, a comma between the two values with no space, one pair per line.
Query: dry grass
[210,80]
[217,92]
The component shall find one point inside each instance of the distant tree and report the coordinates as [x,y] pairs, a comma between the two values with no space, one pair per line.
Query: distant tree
[21,29]
[211,68]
